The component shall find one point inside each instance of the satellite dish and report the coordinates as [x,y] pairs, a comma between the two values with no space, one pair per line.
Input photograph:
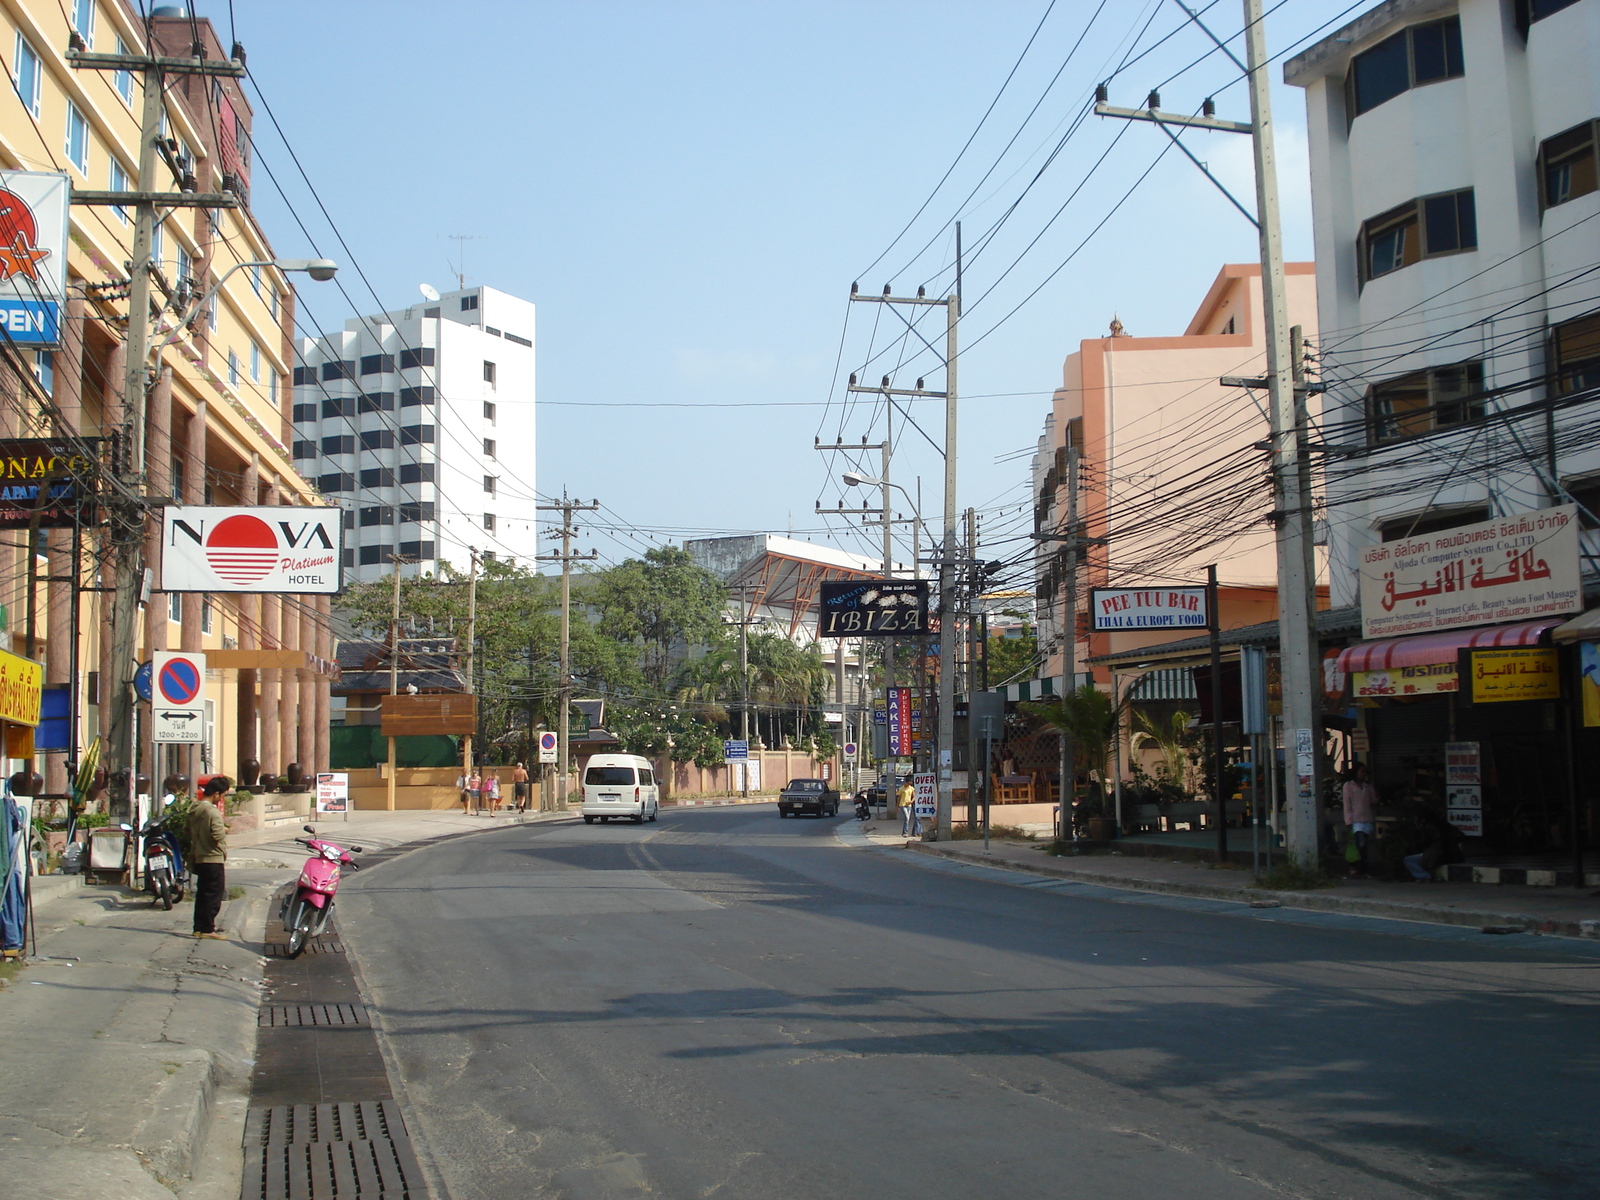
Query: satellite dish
[429,292]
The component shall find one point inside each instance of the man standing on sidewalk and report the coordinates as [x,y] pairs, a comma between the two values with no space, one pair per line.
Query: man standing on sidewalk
[208,843]
[519,787]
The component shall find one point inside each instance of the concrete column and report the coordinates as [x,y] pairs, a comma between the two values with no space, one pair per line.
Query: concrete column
[68,398]
[193,454]
[249,638]
[158,468]
[306,746]
[321,682]
[110,423]
[271,629]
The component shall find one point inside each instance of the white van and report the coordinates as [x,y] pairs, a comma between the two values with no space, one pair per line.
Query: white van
[620,785]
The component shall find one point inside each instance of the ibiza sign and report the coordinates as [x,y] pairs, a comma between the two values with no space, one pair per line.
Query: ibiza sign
[33,255]
[285,549]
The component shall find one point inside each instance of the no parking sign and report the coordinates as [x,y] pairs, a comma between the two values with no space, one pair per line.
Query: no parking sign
[177,703]
[547,747]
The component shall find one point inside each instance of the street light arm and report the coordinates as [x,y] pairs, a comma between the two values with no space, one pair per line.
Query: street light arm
[320,269]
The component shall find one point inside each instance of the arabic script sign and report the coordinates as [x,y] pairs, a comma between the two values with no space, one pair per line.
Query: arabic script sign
[1502,569]
[1528,673]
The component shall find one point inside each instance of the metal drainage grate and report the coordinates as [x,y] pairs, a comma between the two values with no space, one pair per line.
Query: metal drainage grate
[329,1016]
[314,946]
[328,1151]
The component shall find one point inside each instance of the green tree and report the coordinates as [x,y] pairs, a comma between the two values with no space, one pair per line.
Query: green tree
[663,606]
[1013,658]
[1093,722]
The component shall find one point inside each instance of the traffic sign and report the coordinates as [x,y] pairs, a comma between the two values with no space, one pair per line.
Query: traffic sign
[177,705]
[849,750]
[141,681]
[735,751]
[547,747]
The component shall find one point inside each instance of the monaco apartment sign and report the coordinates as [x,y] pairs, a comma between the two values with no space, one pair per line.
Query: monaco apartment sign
[283,549]
[1503,569]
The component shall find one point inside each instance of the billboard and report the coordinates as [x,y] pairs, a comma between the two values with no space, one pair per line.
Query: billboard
[1502,569]
[281,549]
[873,608]
[33,255]
[47,480]
[1148,608]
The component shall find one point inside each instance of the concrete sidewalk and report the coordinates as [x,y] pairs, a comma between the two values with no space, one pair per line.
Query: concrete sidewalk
[129,1044]
[1566,912]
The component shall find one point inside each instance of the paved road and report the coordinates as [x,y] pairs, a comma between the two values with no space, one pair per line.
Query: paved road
[730,1005]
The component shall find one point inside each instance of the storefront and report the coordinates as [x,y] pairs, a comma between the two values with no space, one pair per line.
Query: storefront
[21,694]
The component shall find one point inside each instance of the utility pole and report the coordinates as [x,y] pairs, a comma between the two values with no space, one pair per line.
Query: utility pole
[744,623]
[128,518]
[394,672]
[1069,641]
[467,668]
[566,557]
[1297,614]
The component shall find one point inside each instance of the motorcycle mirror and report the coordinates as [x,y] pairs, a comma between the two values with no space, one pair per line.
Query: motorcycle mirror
[308,829]
[125,828]
[355,850]
[166,801]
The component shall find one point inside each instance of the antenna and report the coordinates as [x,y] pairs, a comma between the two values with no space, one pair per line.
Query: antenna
[461,240]
[429,292]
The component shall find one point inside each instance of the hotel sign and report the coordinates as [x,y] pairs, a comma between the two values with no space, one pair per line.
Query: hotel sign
[1502,569]
[33,255]
[286,549]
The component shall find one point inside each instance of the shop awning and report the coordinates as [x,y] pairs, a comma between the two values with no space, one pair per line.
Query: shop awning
[1424,649]
[1584,628]
[1032,689]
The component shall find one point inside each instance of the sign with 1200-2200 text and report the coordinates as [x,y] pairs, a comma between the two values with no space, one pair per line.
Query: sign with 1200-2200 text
[873,608]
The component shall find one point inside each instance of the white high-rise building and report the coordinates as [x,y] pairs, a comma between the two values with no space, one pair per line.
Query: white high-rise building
[419,423]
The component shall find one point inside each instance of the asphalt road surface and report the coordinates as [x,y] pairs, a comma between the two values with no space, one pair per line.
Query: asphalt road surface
[726,1004]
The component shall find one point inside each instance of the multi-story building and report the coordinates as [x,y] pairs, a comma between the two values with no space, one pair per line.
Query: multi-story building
[1454,186]
[215,431]
[419,423]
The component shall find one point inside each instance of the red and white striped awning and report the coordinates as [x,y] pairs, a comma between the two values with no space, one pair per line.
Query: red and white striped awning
[1424,649]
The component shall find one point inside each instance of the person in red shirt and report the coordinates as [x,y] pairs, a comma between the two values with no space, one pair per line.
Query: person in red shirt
[1360,813]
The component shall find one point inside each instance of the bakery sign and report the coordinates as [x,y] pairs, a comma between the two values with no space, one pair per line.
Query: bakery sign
[1503,569]
[284,549]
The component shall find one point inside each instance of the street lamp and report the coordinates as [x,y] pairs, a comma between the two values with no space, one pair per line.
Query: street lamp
[320,269]
[857,479]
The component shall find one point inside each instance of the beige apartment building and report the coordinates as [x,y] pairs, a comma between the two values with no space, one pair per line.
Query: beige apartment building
[216,429]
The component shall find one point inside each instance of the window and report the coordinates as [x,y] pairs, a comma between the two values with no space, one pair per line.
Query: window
[488,447]
[430,312]
[119,182]
[1411,58]
[1423,401]
[376,402]
[372,555]
[1567,166]
[1585,493]
[175,606]
[488,372]
[339,406]
[211,309]
[338,370]
[490,482]
[304,375]
[1529,11]
[488,522]
[233,369]
[417,510]
[185,267]
[491,331]
[521,341]
[123,80]
[1434,521]
[412,396]
[347,518]
[177,477]
[416,435]
[207,613]
[304,412]
[77,139]
[377,439]
[305,449]
[377,477]
[83,20]
[421,357]
[339,443]
[469,303]
[44,370]
[1418,229]
[255,363]
[337,481]
[157,237]
[272,300]
[489,412]
[274,388]
[416,472]
[349,558]
[379,515]
[417,550]
[1575,354]
[488,556]
[27,73]
[377,364]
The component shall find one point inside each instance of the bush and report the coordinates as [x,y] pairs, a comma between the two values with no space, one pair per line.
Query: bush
[1010,833]
[1294,876]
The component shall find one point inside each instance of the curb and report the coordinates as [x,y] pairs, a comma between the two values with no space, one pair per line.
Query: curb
[1313,901]
[719,803]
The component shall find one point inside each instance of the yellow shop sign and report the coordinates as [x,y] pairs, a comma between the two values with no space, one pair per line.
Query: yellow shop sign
[1521,674]
[21,689]
[1430,679]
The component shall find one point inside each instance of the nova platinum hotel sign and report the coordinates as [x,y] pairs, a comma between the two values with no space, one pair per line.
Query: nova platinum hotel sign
[285,549]
[1503,569]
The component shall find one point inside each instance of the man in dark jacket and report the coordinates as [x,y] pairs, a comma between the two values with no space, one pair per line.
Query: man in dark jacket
[208,843]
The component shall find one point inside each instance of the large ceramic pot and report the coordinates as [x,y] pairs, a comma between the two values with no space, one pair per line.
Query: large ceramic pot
[1101,829]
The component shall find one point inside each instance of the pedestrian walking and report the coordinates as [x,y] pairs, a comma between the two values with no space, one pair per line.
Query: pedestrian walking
[464,786]
[208,846]
[910,826]
[519,787]
[491,791]
[1360,807]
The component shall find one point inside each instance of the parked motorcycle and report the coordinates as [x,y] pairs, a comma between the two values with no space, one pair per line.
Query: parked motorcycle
[863,809]
[305,910]
[166,875]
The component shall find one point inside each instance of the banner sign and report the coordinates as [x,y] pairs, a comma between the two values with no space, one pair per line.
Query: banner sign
[1429,680]
[899,721]
[927,794]
[21,689]
[1502,569]
[177,705]
[734,750]
[1463,784]
[1148,608]
[285,549]
[1589,682]
[33,255]
[873,608]
[333,792]
[48,481]
[1524,673]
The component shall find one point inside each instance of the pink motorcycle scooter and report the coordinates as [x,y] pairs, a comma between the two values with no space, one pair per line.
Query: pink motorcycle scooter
[305,912]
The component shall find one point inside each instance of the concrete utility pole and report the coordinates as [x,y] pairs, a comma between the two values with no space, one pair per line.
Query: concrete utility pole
[467,666]
[394,673]
[128,518]
[1069,639]
[1297,613]
[566,557]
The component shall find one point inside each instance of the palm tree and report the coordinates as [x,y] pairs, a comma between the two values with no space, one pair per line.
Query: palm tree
[1093,722]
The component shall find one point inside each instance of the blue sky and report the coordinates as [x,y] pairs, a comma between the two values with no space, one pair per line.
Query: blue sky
[687,191]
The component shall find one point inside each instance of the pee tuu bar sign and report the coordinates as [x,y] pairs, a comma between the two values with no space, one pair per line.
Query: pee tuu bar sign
[48,484]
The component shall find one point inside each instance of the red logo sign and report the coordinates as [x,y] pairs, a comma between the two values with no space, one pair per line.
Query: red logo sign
[242,549]
[19,237]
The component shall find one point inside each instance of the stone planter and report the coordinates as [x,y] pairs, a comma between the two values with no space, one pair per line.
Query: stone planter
[1101,829]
